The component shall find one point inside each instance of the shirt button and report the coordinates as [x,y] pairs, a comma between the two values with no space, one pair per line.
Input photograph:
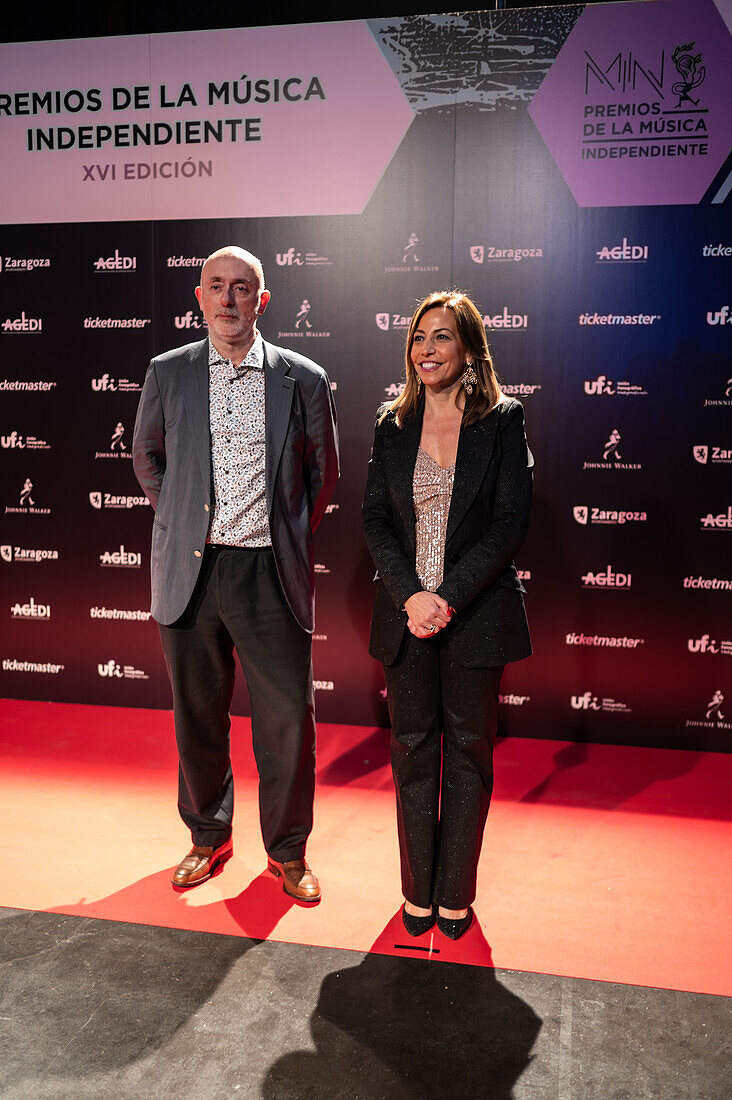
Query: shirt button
[197,553]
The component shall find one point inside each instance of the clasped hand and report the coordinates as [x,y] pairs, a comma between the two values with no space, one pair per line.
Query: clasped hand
[427,613]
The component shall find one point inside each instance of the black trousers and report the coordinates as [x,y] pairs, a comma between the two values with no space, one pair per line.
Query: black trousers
[238,604]
[443,719]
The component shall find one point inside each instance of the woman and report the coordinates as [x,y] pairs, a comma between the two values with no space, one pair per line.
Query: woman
[446,507]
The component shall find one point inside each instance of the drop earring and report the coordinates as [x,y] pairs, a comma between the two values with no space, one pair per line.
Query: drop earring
[469,378]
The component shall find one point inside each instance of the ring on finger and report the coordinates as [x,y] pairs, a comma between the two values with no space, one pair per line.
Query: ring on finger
[432,628]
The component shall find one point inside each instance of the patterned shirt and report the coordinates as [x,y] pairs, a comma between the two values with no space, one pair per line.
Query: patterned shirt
[236,402]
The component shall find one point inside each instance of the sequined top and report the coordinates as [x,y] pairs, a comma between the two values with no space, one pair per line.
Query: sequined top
[432,493]
[236,401]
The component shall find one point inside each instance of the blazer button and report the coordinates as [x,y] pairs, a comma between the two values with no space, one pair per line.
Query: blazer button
[197,553]
[205,507]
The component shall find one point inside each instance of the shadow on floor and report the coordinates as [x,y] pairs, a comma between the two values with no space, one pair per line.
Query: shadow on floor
[392,1027]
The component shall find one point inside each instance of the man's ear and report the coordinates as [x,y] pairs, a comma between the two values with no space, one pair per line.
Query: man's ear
[198,294]
[263,301]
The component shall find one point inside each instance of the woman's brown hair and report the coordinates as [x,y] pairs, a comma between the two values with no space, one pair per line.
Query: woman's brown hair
[471,331]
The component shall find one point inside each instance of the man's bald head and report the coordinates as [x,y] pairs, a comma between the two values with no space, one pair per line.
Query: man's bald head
[232,297]
[238,253]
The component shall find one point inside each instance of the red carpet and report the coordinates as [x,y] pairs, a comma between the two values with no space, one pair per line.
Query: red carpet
[599,862]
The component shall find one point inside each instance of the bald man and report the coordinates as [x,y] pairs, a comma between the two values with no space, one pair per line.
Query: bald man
[236,448]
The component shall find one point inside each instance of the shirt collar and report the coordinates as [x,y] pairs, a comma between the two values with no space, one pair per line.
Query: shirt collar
[254,358]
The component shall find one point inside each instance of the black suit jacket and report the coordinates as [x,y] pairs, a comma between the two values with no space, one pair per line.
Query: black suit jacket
[488,518]
[172,461]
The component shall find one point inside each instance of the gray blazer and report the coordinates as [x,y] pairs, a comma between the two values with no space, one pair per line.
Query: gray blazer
[172,461]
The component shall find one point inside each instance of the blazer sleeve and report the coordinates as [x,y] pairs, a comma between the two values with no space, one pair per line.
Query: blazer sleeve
[321,468]
[484,562]
[148,443]
[392,564]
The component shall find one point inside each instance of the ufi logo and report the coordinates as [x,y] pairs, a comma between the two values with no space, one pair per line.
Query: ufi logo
[722,316]
[600,385]
[705,644]
[189,320]
[607,579]
[290,258]
[24,324]
[107,384]
[116,263]
[293,258]
[588,701]
[13,440]
[623,253]
[506,321]
[31,610]
[111,668]
[721,522]
[22,442]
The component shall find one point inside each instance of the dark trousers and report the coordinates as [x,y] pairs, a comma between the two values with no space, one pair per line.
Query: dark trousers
[238,604]
[443,719]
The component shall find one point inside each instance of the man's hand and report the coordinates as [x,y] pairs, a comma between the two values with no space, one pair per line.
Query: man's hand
[427,613]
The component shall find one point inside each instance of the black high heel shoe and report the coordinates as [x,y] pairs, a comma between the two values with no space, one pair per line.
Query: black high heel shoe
[454,929]
[417,926]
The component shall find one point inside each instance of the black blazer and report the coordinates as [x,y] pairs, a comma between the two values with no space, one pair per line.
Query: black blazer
[172,460]
[488,518]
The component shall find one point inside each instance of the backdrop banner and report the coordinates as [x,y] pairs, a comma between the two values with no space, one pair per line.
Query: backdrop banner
[568,167]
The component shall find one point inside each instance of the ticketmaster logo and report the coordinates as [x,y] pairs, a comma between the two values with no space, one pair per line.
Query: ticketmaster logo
[118,613]
[603,641]
[46,668]
[186,261]
[116,322]
[618,318]
[19,385]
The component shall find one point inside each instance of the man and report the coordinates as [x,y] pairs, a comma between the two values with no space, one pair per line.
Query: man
[235,446]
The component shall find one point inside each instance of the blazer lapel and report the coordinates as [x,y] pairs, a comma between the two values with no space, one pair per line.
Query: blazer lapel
[279,390]
[402,456]
[196,399]
[475,450]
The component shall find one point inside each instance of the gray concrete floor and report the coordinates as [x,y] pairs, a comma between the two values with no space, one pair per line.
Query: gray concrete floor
[92,1008]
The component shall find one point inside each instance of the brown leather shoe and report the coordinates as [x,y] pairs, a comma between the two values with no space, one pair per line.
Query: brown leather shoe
[297,879]
[200,864]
